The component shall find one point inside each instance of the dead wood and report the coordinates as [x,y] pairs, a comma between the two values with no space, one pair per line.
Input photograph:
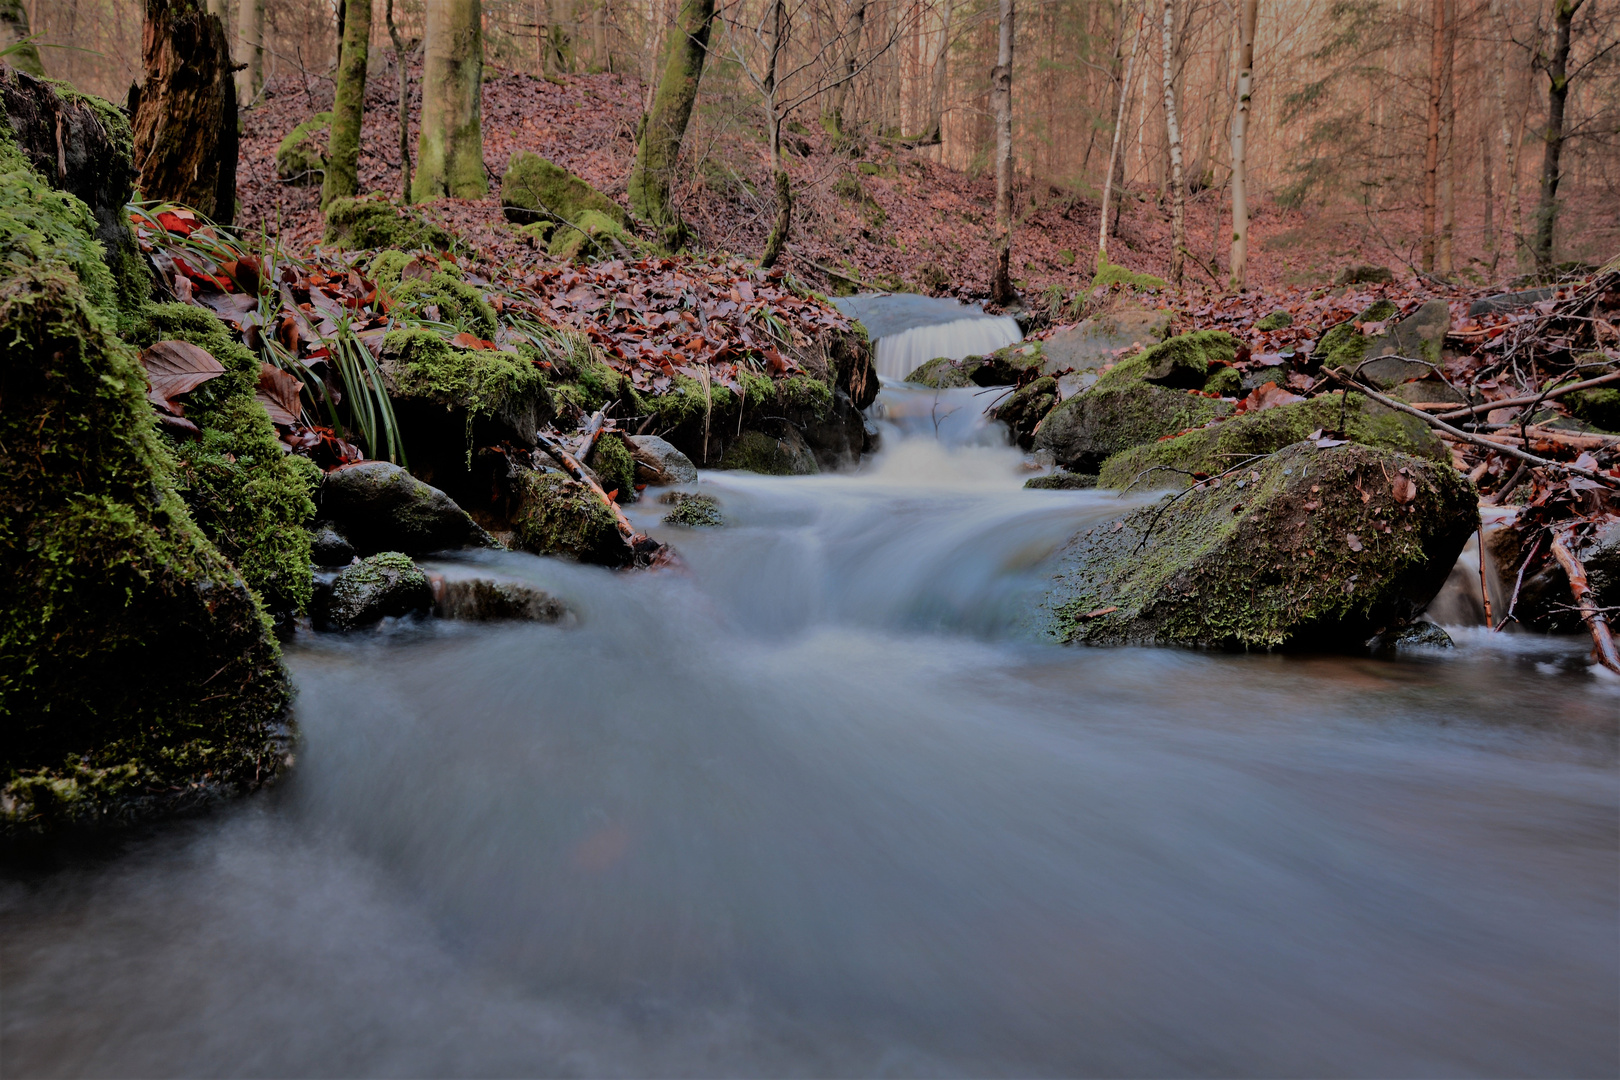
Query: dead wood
[1591,614]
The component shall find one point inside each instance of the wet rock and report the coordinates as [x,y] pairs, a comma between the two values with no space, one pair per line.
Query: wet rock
[1318,547]
[839,436]
[658,462]
[328,547]
[557,515]
[755,451]
[1364,275]
[1211,450]
[1417,635]
[1004,367]
[1061,481]
[1100,339]
[1545,601]
[381,507]
[614,466]
[1402,345]
[1023,411]
[379,586]
[694,511]
[471,594]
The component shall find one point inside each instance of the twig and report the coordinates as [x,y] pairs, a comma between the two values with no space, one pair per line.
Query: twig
[1491,406]
[1477,440]
[1484,589]
[1591,614]
[638,543]
[1518,581]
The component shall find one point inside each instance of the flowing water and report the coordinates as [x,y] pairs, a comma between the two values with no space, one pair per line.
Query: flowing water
[911,330]
[817,805]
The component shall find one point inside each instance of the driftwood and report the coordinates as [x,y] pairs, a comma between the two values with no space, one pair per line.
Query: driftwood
[1591,614]
[1469,437]
[648,552]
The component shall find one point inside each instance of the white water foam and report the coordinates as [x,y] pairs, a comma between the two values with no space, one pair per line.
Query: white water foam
[898,355]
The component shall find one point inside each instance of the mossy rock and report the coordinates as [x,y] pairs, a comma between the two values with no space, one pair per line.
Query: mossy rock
[591,235]
[1313,547]
[1183,362]
[1004,367]
[381,507]
[1109,275]
[535,190]
[371,221]
[1364,275]
[249,495]
[695,511]
[445,298]
[301,155]
[755,451]
[1212,450]
[138,672]
[381,586]
[615,467]
[1402,352]
[1024,410]
[560,516]
[1277,320]
[1061,481]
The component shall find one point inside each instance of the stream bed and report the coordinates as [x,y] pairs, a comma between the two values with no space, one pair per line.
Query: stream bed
[819,804]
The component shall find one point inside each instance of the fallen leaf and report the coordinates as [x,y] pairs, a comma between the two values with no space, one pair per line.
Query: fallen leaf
[1100,612]
[1403,488]
[1266,396]
[278,393]
[1353,540]
[174,368]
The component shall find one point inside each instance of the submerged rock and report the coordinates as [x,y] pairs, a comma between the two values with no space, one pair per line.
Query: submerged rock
[693,511]
[1319,547]
[381,507]
[1418,635]
[1024,410]
[658,462]
[1004,367]
[755,451]
[379,586]
[470,594]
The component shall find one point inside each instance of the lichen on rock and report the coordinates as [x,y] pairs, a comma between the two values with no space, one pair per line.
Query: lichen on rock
[385,585]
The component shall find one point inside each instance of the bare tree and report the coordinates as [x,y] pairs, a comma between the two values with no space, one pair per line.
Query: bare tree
[1172,127]
[1001,289]
[658,147]
[401,50]
[450,142]
[1240,130]
[833,118]
[936,86]
[1119,131]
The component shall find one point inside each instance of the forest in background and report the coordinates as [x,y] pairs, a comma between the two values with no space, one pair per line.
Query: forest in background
[1345,95]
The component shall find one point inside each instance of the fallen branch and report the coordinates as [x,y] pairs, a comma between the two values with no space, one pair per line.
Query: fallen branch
[646,550]
[1591,614]
[1477,440]
[1509,403]
[1575,440]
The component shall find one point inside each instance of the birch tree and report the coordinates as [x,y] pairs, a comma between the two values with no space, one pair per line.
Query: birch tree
[1001,289]
[348,104]
[658,145]
[450,144]
[1172,127]
[1240,131]
[1119,132]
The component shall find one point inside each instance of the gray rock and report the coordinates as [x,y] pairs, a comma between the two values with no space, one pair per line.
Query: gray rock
[376,587]
[472,594]
[1418,635]
[1100,339]
[381,507]
[658,463]
[694,511]
[1364,275]
[1404,351]
[328,547]
[1512,301]
[1061,481]
[758,452]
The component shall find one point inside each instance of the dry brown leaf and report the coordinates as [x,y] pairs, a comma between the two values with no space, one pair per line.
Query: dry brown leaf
[174,368]
[278,393]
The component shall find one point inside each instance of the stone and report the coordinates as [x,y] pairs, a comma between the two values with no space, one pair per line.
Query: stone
[1410,346]
[379,586]
[381,507]
[1511,301]
[1102,338]
[1277,320]
[534,189]
[1004,367]
[1023,410]
[658,463]
[694,511]
[1364,275]
[373,222]
[755,451]
[1315,547]
[1417,635]
[557,515]
[1061,481]
[301,155]
[474,594]
[328,547]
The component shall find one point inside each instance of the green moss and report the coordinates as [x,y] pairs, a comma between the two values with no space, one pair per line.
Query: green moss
[1277,320]
[137,670]
[1182,361]
[1312,546]
[251,498]
[1224,382]
[615,468]
[801,393]
[535,189]
[1345,344]
[40,225]
[1061,481]
[695,511]
[754,451]
[1214,449]
[560,516]
[371,221]
[451,301]
[1108,275]
[301,155]
[1600,406]
[591,384]
[423,364]
[385,269]
[590,235]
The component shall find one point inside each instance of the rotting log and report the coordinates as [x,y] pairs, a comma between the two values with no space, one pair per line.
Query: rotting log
[1591,613]
[185,111]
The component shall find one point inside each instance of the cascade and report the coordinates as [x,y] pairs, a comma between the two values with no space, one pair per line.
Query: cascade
[912,330]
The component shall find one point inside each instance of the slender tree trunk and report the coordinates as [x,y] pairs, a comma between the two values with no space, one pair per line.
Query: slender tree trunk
[1510,140]
[779,177]
[250,45]
[1172,127]
[664,127]
[1487,167]
[936,89]
[450,142]
[13,29]
[185,113]
[1553,138]
[1001,289]
[1431,154]
[348,104]
[1448,139]
[849,58]
[400,57]
[1119,131]
[1240,133]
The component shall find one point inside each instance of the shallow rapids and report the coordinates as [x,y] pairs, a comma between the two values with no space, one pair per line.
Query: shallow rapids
[819,805]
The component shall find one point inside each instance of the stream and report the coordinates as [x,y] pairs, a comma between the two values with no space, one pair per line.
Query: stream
[819,804]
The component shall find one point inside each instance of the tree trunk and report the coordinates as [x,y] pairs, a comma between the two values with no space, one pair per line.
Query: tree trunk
[779,176]
[1448,149]
[1431,155]
[1001,289]
[1172,127]
[450,143]
[1553,137]
[13,29]
[348,104]
[936,89]
[400,51]
[185,115]
[664,127]
[1119,130]
[1240,130]
[848,61]
[1510,144]
[1487,168]
[250,42]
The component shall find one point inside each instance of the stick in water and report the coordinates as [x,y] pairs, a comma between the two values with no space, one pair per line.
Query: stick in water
[1484,589]
[1590,612]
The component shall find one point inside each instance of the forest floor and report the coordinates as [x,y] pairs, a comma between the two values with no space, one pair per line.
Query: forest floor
[878,212]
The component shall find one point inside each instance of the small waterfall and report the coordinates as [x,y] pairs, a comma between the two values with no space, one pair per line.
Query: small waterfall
[911,330]
[1459,602]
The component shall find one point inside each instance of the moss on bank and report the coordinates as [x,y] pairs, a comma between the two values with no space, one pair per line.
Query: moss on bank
[40,225]
[535,189]
[443,298]
[301,155]
[484,381]
[372,222]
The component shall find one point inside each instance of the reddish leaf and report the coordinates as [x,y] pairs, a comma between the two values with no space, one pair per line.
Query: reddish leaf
[174,368]
[465,340]
[278,393]
[1267,396]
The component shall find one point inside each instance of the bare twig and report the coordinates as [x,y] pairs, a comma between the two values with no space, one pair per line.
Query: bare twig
[1509,403]
[644,547]
[1591,614]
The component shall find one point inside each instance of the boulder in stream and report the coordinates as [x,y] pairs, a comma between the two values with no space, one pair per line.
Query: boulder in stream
[474,594]
[377,587]
[379,506]
[784,455]
[1320,547]
[658,462]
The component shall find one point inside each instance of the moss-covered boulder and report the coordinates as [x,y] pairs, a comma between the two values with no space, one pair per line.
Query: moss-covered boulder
[378,506]
[1211,450]
[381,586]
[615,467]
[138,672]
[1366,274]
[371,221]
[535,189]
[1154,394]
[249,495]
[556,515]
[694,510]
[1004,367]
[301,154]
[1313,547]
[1277,320]
[1061,481]
[592,235]
[787,455]
[1101,338]
[1026,407]
[1407,347]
